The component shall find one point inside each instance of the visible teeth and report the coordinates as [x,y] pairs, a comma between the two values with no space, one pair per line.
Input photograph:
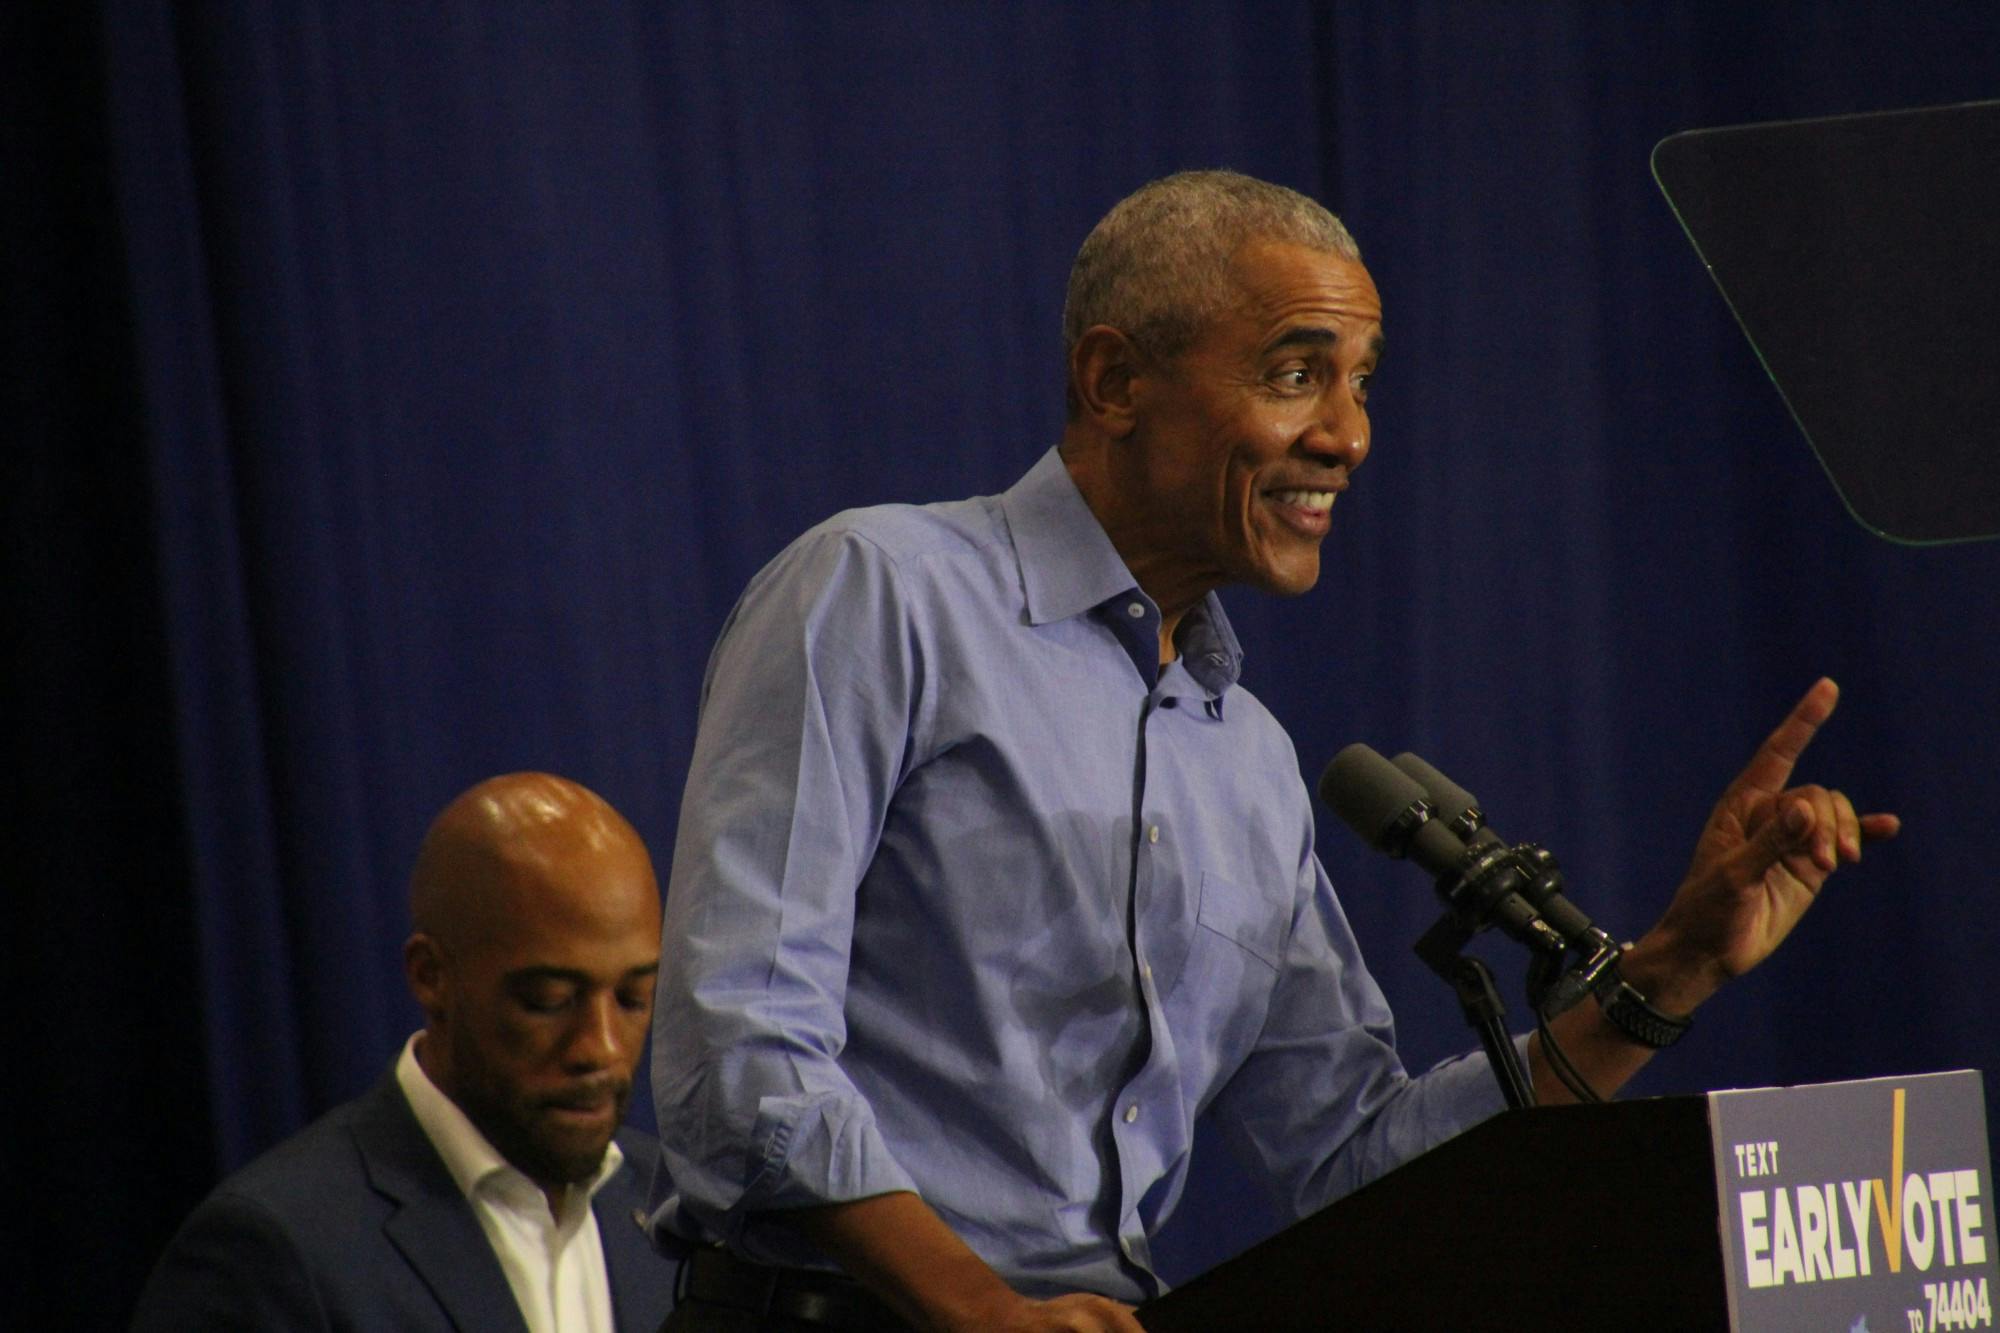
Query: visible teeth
[1314,500]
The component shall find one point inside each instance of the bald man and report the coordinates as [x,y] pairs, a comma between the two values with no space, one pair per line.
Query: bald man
[484,1183]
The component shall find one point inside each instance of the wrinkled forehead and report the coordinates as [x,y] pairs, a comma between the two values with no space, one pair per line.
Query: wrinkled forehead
[1274,271]
[1283,291]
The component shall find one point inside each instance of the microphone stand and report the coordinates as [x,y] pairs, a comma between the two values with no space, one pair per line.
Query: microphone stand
[1478,999]
[1510,887]
[1528,876]
[1410,810]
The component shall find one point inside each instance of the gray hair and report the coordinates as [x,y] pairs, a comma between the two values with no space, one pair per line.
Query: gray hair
[1157,266]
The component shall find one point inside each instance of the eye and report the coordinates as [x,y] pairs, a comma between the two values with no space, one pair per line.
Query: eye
[1294,375]
[544,997]
[635,1001]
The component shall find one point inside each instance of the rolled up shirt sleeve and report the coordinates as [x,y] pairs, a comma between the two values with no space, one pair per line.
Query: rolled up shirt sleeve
[806,716]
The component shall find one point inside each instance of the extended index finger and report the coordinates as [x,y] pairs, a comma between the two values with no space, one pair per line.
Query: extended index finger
[1770,768]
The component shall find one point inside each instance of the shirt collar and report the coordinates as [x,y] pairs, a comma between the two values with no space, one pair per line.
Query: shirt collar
[1208,647]
[1068,566]
[467,1154]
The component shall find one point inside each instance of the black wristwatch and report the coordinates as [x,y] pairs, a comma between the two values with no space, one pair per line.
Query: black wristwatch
[1629,1012]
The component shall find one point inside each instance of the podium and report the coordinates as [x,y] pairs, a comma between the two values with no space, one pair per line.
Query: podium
[1743,1210]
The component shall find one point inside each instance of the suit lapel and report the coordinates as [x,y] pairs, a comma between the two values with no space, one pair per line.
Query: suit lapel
[632,1266]
[432,1225]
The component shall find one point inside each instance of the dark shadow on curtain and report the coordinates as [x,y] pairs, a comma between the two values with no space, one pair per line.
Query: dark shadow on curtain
[107,1140]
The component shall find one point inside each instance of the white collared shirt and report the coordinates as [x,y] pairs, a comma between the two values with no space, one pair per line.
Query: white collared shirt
[555,1264]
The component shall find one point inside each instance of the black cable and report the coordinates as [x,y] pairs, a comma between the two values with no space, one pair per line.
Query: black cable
[1560,1062]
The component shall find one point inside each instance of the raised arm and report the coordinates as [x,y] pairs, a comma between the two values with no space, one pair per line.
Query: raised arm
[1763,857]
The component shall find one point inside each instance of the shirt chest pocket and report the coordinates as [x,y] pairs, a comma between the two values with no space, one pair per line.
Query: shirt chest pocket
[1252,920]
[1217,1003]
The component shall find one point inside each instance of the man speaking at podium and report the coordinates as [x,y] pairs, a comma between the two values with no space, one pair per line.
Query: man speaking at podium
[991,879]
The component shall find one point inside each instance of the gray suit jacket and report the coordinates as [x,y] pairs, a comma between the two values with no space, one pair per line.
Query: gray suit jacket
[354,1224]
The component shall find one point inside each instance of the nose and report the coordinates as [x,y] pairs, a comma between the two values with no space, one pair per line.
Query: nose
[1338,435]
[603,1037]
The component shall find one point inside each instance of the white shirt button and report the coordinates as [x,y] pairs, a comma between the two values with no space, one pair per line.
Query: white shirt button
[1136,610]
[1131,1113]
[1153,833]
[1125,1244]
[1146,971]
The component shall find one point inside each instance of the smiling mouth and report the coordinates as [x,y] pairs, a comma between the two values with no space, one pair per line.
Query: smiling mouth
[1313,502]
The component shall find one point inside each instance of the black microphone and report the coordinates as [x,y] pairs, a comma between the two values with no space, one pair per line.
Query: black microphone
[1394,813]
[1459,810]
[1391,811]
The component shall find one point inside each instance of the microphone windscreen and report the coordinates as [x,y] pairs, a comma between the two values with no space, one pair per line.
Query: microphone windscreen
[1368,792]
[1451,800]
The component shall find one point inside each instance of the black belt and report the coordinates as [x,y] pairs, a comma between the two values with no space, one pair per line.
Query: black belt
[831,1300]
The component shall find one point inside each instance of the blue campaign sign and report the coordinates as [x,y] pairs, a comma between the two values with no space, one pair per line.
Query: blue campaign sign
[1861,1207]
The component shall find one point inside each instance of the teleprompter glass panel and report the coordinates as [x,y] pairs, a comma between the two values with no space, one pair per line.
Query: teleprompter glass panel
[1861,254]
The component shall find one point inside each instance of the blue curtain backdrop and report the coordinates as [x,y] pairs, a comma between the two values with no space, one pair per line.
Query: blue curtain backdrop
[404,392]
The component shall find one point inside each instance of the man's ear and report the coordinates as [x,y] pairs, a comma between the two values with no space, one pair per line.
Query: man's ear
[423,969]
[1104,367]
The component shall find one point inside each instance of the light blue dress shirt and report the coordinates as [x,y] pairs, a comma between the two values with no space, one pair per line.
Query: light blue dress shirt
[973,898]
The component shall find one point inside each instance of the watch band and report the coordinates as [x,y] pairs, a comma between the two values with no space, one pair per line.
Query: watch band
[1629,1012]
